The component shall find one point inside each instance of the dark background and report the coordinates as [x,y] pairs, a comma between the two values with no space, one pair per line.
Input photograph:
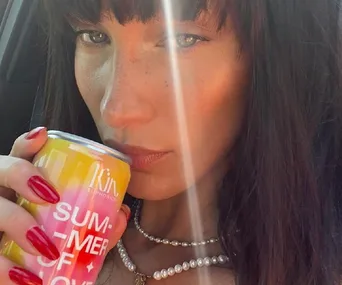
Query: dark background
[22,67]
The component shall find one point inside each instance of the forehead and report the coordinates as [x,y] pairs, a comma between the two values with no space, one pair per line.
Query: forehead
[128,10]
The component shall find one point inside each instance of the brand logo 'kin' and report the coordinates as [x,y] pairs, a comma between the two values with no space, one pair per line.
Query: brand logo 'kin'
[102,180]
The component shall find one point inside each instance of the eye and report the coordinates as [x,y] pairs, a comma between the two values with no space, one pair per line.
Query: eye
[93,37]
[187,40]
[183,41]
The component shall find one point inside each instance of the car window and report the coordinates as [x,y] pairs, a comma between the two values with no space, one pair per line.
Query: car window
[22,60]
[3,6]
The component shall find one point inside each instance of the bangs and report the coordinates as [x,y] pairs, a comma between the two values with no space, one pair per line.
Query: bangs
[129,10]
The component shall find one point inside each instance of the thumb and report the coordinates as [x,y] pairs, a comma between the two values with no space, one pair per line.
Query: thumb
[120,226]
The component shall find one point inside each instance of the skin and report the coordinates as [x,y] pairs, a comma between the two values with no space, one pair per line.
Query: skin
[127,86]
[124,75]
[126,83]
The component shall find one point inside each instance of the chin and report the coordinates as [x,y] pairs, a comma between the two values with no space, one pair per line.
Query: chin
[153,190]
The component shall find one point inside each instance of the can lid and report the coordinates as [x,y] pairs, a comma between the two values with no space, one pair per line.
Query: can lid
[89,144]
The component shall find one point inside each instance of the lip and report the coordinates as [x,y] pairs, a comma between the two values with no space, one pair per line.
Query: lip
[142,158]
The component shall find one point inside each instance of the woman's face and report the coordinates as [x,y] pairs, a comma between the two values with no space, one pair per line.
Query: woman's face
[124,75]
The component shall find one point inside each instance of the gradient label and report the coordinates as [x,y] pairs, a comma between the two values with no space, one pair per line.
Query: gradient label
[92,187]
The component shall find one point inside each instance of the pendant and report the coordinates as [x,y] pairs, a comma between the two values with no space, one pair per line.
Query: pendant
[140,279]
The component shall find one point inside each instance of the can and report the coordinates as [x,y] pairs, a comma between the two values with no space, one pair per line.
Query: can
[92,180]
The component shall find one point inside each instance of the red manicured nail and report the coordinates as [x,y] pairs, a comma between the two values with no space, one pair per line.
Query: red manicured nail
[34,133]
[42,243]
[22,276]
[43,189]
[127,211]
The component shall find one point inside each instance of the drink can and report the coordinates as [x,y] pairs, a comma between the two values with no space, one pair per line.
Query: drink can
[92,180]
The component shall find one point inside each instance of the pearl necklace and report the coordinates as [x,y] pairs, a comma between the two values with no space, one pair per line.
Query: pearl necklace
[167,241]
[141,279]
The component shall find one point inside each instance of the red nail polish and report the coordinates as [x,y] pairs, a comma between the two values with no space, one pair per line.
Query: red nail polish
[43,189]
[42,243]
[127,211]
[22,276]
[34,133]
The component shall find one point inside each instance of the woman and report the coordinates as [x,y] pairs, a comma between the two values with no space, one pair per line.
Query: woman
[253,161]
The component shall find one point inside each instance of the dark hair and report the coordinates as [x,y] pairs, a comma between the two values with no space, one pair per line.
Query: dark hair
[284,192]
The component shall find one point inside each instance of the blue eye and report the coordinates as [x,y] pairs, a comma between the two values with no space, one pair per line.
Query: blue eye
[187,40]
[93,37]
[183,41]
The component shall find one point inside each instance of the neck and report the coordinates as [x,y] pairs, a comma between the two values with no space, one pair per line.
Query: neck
[190,216]
[182,218]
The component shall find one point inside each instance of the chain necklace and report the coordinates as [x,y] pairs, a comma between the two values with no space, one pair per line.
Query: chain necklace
[141,278]
[167,241]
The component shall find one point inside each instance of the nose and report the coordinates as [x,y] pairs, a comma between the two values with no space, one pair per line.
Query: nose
[126,102]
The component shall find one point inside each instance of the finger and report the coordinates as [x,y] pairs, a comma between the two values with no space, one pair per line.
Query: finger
[28,144]
[22,228]
[8,194]
[120,226]
[11,274]
[26,180]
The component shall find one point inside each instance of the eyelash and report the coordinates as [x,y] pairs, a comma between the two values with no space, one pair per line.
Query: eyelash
[92,33]
[196,39]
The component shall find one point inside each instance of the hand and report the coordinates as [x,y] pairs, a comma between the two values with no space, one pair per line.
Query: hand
[19,176]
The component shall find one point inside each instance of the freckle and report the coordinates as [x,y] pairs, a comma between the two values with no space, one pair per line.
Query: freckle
[166,84]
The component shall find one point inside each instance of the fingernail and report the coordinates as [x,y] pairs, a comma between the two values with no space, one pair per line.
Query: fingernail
[22,276]
[43,189]
[127,211]
[42,243]
[34,133]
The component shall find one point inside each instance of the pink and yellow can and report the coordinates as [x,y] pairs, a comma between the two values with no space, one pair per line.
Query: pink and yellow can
[92,180]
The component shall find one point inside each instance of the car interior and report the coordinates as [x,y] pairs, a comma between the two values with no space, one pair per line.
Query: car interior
[22,68]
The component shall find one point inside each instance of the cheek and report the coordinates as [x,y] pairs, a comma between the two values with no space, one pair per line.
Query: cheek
[222,100]
[92,76]
[216,107]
